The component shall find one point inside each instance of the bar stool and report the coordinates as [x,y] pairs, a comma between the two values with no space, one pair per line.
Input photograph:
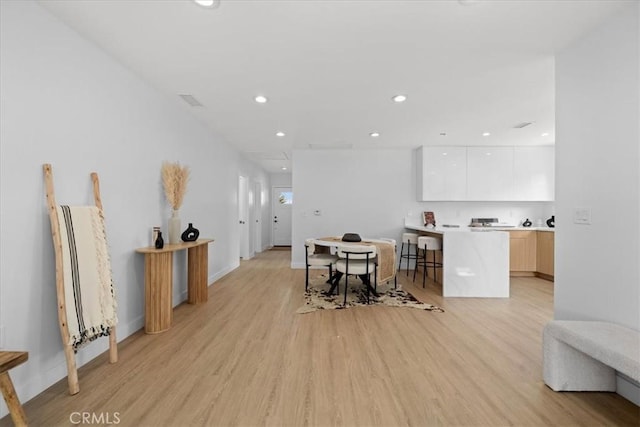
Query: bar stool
[409,239]
[427,243]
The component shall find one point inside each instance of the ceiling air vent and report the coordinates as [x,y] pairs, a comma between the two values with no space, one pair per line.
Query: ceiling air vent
[268,155]
[191,100]
[522,125]
[338,145]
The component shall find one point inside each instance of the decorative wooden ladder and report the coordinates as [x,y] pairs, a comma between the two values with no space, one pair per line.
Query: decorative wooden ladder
[69,353]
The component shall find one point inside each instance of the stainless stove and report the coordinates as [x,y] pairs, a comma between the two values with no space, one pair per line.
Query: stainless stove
[488,222]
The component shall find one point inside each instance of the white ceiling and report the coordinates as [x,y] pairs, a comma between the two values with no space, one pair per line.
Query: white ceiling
[330,68]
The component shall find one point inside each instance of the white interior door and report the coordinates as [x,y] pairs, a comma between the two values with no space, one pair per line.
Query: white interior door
[243,216]
[281,202]
[256,217]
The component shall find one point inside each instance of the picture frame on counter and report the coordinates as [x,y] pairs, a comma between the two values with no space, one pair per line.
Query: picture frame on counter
[429,219]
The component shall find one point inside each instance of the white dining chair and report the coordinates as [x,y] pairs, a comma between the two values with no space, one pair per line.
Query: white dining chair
[357,260]
[317,260]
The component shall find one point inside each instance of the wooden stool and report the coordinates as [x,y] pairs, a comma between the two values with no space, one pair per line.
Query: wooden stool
[8,360]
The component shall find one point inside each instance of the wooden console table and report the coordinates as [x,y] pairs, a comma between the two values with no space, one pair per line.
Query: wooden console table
[8,360]
[158,281]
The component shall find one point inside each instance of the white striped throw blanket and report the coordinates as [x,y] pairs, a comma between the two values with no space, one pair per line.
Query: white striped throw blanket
[88,287]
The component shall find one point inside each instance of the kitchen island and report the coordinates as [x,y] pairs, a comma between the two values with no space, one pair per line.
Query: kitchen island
[475,260]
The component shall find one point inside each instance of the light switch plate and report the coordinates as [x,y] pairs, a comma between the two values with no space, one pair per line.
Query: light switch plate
[582,215]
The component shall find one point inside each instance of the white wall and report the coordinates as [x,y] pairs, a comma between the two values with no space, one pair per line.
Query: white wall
[370,192]
[597,152]
[280,179]
[65,102]
[597,267]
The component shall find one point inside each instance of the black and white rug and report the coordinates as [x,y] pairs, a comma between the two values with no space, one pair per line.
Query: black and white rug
[316,298]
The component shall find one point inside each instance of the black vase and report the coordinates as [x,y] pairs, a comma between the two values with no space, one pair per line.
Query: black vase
[526,223]
[159,241]
[190,234]
[551,222]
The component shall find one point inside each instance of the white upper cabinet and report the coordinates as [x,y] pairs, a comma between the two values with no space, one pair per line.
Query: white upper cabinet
[534,173]
[442,173]
[486,173]
[489,173]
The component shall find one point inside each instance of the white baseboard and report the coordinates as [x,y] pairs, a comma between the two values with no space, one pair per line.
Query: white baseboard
[628,389]
[210,280]
[219,274]
[45,379]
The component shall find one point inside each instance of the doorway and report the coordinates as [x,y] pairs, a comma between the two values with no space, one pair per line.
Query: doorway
[255,204]
[243,217]
[281,202]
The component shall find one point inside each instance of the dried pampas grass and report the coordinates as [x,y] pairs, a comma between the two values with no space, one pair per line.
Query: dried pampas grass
[174,181]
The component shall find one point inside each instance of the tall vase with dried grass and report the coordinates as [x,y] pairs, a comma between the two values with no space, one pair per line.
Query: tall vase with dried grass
[174,181]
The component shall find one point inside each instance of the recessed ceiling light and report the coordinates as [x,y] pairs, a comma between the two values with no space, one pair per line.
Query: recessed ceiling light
[280,134]
[399,98]
[486,134]
[284,168]
[374,134]
[444,154]
[260,99]
[545,134]
[208,3]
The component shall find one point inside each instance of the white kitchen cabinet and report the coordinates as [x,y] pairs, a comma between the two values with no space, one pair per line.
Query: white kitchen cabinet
[533,173]
[479,173]
[442,173]
[490,173]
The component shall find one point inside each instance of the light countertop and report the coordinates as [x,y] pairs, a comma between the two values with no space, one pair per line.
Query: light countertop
[475,262]
[464,228]
[551,229]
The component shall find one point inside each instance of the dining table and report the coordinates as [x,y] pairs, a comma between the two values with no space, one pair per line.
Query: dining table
[385,253]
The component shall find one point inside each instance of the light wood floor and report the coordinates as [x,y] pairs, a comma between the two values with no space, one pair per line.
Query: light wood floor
[245,358]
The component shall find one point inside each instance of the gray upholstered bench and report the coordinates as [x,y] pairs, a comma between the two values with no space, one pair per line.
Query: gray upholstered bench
[585,355]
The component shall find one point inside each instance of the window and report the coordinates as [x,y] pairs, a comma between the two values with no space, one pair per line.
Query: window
[286,198]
